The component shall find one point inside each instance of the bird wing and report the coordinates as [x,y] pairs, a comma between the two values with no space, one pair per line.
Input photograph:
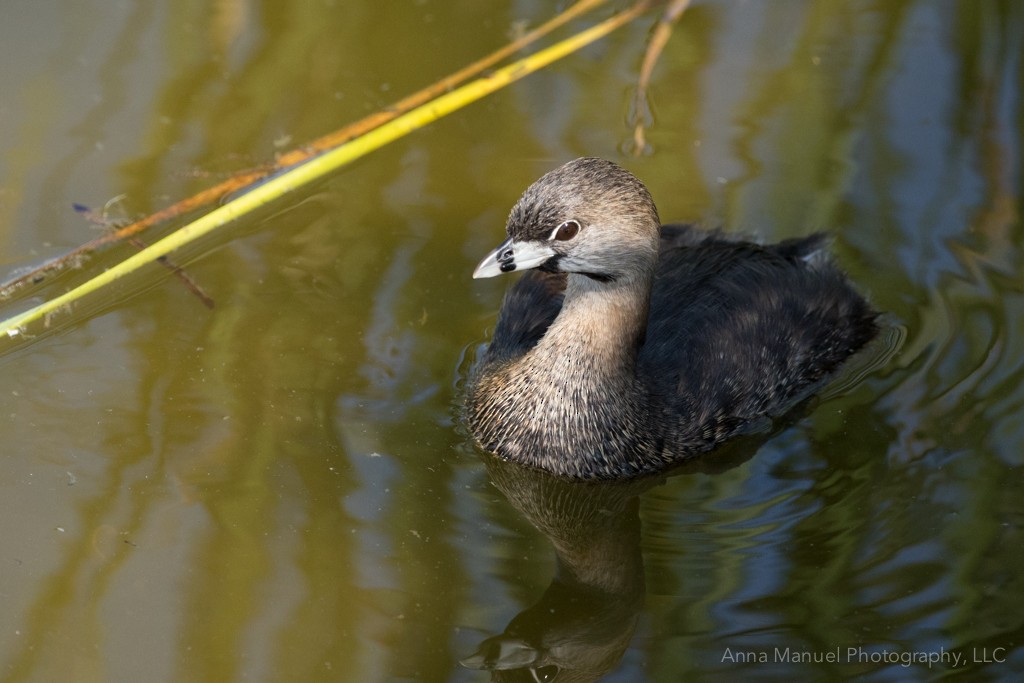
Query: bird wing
[739,330]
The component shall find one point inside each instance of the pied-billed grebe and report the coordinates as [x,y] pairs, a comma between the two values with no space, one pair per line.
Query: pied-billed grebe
[633,346]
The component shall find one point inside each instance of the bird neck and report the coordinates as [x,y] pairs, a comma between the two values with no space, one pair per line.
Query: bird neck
[599,329]
[574,399]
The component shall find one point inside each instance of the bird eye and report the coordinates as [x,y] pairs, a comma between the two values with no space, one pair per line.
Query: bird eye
[545,674]
[565,231]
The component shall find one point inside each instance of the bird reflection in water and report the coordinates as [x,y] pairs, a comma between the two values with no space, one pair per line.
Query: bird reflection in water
[580,627]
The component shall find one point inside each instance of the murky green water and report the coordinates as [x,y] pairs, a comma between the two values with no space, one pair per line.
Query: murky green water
[276,490]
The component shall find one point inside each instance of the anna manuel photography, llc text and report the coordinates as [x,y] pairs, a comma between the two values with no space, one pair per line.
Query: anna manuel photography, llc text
[860,655]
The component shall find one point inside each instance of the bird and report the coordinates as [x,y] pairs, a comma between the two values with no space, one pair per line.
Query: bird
[628,347]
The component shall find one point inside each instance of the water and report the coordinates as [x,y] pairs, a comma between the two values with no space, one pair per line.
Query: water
[277,490]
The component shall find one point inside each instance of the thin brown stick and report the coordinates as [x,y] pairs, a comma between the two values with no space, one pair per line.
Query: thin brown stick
[101,219]
[659,38]
[179,272]
[247,178]
[75,256]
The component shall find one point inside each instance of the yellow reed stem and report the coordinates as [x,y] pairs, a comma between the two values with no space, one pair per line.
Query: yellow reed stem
[320,166]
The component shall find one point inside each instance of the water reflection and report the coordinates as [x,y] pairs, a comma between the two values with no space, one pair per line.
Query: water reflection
[585,619]
[580,627]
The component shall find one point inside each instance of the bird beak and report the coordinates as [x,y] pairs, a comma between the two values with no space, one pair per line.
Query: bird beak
[502,652]
[511,255]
